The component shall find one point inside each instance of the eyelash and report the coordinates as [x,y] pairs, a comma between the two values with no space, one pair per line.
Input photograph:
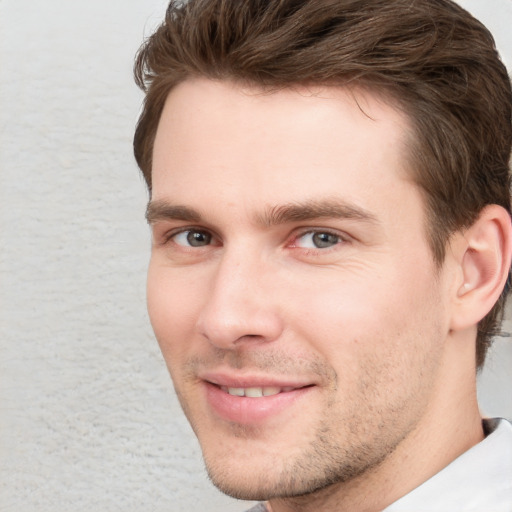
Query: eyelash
[319,231]
[341,239]
[169,236]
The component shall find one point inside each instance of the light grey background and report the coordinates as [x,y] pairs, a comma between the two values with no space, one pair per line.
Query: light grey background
[88,419]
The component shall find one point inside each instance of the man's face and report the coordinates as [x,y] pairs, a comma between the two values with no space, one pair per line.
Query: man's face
[291,287]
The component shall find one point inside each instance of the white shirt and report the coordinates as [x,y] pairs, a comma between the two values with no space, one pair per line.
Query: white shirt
[480,480]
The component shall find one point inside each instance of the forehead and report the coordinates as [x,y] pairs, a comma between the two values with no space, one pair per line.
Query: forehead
[253,146]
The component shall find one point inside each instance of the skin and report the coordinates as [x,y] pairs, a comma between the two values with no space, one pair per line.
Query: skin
[289,246]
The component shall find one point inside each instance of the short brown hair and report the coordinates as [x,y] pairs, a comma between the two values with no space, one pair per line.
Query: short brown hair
[431,57]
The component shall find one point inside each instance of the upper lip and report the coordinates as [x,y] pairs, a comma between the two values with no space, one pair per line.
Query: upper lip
[252,381]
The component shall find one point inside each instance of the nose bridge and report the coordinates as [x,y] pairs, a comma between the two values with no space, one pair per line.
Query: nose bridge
[239,306]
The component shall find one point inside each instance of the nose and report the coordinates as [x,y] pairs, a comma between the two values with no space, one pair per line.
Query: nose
[241,306]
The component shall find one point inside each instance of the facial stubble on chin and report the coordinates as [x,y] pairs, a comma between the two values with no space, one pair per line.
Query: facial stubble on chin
[324,463]
[322,466]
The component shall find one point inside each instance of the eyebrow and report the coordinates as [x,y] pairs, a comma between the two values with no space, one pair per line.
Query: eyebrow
[162,210]
[316,209]
[280,214]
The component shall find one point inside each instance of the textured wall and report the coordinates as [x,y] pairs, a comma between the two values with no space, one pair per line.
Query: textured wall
[88,419]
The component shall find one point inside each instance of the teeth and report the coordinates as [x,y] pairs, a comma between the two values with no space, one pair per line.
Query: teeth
[273,391]
[255,392]
[236,391]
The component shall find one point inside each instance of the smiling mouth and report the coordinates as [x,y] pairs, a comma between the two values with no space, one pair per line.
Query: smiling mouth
[256,392]
[252,403]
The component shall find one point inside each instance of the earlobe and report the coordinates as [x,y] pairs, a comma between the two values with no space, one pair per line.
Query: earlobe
[485,264]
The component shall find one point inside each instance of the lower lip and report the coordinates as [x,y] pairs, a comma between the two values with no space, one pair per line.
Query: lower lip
[248,410]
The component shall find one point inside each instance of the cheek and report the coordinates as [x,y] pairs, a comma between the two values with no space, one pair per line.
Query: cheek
[384,349]
[371,315]
[173,305]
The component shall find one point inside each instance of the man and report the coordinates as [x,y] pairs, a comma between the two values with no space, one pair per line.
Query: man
[330,207]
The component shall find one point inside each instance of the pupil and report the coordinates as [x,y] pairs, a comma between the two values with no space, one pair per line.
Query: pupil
[324,239]
[198,238]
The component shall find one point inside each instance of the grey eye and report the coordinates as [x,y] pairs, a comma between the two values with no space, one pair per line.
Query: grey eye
[318,240]
[323,240]
[193,238]
[198,238]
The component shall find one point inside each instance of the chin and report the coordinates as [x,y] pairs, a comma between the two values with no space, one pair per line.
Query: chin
[249,485]
[251,479]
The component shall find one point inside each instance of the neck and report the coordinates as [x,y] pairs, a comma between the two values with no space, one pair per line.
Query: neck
[450,426]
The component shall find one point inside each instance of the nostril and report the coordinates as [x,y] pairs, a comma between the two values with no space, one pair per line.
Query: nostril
[251,337]
[228,323]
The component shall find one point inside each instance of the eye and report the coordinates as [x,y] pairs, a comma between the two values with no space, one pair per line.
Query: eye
[193,238]
[317,240]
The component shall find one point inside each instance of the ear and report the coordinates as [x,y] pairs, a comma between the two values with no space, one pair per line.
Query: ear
[484,255]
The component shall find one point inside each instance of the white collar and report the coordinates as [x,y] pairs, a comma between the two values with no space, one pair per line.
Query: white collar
[479,480]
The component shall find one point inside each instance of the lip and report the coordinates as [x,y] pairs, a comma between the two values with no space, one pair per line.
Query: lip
[248,410]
